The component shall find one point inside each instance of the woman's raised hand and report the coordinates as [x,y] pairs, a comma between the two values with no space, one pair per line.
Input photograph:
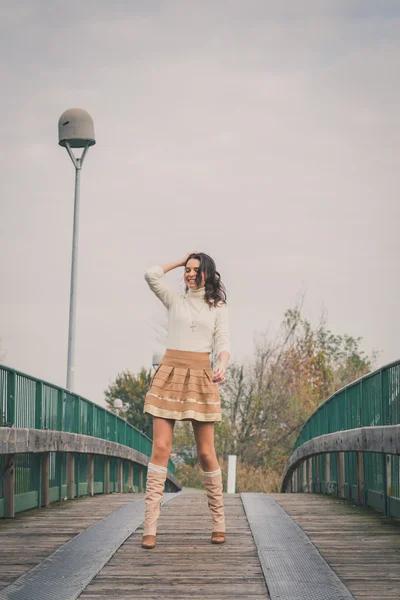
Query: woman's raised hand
[185,259]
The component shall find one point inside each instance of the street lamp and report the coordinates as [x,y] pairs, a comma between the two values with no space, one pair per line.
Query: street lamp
[75,130]
[119,405]
[156,360]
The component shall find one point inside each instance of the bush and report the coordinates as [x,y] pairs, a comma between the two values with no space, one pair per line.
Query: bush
[248,478]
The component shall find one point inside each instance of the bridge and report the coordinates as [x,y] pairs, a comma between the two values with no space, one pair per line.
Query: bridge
[71,501]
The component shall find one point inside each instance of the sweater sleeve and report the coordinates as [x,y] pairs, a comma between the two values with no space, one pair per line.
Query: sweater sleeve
[154,277]
[221,332]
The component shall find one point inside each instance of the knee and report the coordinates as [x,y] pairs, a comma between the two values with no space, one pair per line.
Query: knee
[207,458]
[161,449]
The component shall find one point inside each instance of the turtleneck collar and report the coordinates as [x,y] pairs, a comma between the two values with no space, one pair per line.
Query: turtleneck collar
[197,294]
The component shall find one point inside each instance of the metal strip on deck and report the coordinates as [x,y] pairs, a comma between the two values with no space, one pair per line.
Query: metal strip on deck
[292,566]
[67,572]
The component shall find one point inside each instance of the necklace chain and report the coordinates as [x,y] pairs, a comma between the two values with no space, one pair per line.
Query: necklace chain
[193,322]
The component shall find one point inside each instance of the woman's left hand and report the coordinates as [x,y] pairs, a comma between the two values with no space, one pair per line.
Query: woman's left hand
[219,375]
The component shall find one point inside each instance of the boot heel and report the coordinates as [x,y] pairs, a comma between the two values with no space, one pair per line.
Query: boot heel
[218,537]
[149,542]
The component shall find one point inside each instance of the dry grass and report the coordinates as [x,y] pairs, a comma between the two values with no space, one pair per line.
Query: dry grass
[248,478]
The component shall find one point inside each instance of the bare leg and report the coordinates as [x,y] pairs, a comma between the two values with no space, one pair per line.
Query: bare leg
[204,436]
[163,430]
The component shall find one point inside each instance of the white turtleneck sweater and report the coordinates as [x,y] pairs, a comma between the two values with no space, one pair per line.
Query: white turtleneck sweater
[212,325]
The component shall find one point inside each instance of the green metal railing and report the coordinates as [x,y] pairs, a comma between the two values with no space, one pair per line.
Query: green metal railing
[29,402]
[370,401]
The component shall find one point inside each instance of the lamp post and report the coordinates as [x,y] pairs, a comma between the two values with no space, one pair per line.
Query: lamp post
[75,130]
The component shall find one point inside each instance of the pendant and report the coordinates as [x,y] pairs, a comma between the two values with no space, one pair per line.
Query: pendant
[193,325]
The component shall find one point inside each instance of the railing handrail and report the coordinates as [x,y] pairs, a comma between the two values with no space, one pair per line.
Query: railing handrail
[344,388]
[59,388]
[36,380]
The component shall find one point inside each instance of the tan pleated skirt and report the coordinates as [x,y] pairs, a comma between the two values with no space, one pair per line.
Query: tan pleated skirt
[182,388]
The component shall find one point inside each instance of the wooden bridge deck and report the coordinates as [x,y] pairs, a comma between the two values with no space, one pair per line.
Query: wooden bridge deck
[361,546]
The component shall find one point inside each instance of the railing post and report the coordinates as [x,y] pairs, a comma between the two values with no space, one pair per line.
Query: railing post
[130,476]
[340,470]
[298,480]
[317,476]
[77,471]
[389,474]
[327,473]
[310,475]
[11,390]
[9,487]
[120,475]
[304,483]
[70,476]
[39,405]
[90,474]
[385,484]
[45,464]
[360,478]
[60,474]
[107,475]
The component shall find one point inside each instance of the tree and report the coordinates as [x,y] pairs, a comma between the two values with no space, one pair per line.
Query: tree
[131,389]
[267,402]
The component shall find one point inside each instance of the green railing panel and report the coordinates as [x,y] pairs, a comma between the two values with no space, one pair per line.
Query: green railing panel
[29,402]
[395,476]
[125,476]
[373,400]
[27,473]
[136,476]
[99,469]
[350,475]
[25,402]
[49,408]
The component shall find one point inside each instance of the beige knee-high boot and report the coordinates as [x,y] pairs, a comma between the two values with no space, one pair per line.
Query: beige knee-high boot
[213,484]
[156,477]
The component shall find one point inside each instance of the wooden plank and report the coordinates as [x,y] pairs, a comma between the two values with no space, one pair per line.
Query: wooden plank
[361,545]
[185,564]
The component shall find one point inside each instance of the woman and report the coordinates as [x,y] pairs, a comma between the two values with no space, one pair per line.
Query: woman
[184,386]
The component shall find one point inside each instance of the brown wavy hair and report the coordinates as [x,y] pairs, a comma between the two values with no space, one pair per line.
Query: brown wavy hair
[215,292]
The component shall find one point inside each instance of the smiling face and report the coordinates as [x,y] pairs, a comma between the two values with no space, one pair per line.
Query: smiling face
[191,270]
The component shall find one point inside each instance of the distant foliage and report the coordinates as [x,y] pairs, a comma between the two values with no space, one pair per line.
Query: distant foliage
[131,389]
[248,478]
[266,402]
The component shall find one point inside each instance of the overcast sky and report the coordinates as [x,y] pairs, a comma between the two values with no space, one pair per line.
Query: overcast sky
[263,132]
